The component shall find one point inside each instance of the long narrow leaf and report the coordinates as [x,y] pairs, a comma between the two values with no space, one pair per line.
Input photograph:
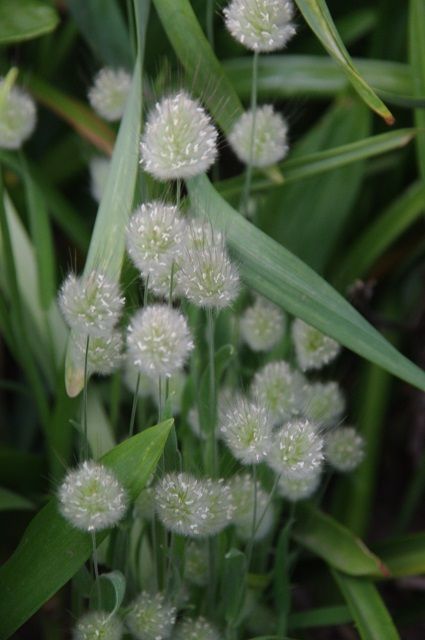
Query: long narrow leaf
[417,62]
[405,556]
[25,20]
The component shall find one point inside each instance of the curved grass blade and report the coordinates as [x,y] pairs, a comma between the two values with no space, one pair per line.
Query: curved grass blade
[404,556]
[320,617]
[11,501]
[25,20]
[277,274]
[373,622]
[330,540]
[51,551]
[317,15]
[417,62]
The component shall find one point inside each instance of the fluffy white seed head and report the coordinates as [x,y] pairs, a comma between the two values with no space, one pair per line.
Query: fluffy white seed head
[17,116]
[151,617]
[109,92]
[324,403]
[201,235]
[208,278]
[344,448]
[195,629]
[196,563]
[297,450]
[159,341]
[155,235]
[179,140]
[191,506]
[295,489]
[261,25]
[247,430]
[105,354]
[91,304]
[270,143]
[278,388]
[91,498]
[262,325]
[313,349]
[98,625]
[244,493]
[99,171]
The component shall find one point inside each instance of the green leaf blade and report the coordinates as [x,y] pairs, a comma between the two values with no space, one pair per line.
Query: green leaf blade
[25,20]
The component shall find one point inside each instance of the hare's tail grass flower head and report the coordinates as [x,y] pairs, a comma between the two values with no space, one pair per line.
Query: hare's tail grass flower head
[193,507]
[155,235]
[109,92]
[247,431]
[159,341]
[262,325]
[91,498]
[249,498]
[105,354]
[344,448]
[260,25]
[17,116]
[297,450]
[179,140]
[196,563]
[324,403]
[99,171]
[278,388]
[150,617]
[313,349]
[98,624]
[195,629]
[270,143]
[91,304]
[295,489]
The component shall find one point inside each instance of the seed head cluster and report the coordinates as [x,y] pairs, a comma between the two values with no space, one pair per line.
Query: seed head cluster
[297,450]
[98,625]
[17,116]
[260,25]
[313,349]
[195,629]
[295,489]
[278,388]
[324,403]
[247,429]
[104,356]
[262,325]
[344,448]
[251,500]
[109,92]
[150,617]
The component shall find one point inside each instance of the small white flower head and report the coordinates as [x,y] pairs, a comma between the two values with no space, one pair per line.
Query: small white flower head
[313,349]
[262,325]
[196,563]
[144,506]
[105,354]
[159,282]
[91,498]
[17,116]
[261,25]
[91,305]
[201,235]
[297,450]
[208,278]
[191,506]
[155,235]
[195,629]
[176,385]
[151,617]
[344,448]
[247,431]
[159,341]
[99,171]
[98,625]
[244,494]
[278,388]
[179,140]
[324,403]
[109,92]
[270,142]
[295,489]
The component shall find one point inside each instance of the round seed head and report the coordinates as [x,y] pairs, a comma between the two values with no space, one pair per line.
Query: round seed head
[191,506]
[295,489]
[260,25]
[159,341]
[159,282]
[297,450]
[98,625]
[262,325]
[344,448]
[195,629]
[313,349]
[176,385]
[196,563]
[99,171]
[179,140]
[201,235]
[105,354]
[247,431]
[270,143]
[91,498]
[245,494]
[109,92]
[91,304]
[208,278]
[324,403]
[151,617]
[17,117]
[278,388]
[155,235]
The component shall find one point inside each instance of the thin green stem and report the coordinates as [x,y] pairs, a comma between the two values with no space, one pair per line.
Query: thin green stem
[210,22]
[178,192]
[248,174]
[85,427]
[134,407]
[160,400]
[254,518]
[212,393]
[96,570]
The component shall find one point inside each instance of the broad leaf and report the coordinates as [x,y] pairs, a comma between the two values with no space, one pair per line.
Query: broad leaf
[404,556]
[25,20]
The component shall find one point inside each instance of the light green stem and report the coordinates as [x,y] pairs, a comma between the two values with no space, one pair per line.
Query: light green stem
[96,570]
[248,174]
[210,22]
[85,426]
[212,405]
[134,406]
